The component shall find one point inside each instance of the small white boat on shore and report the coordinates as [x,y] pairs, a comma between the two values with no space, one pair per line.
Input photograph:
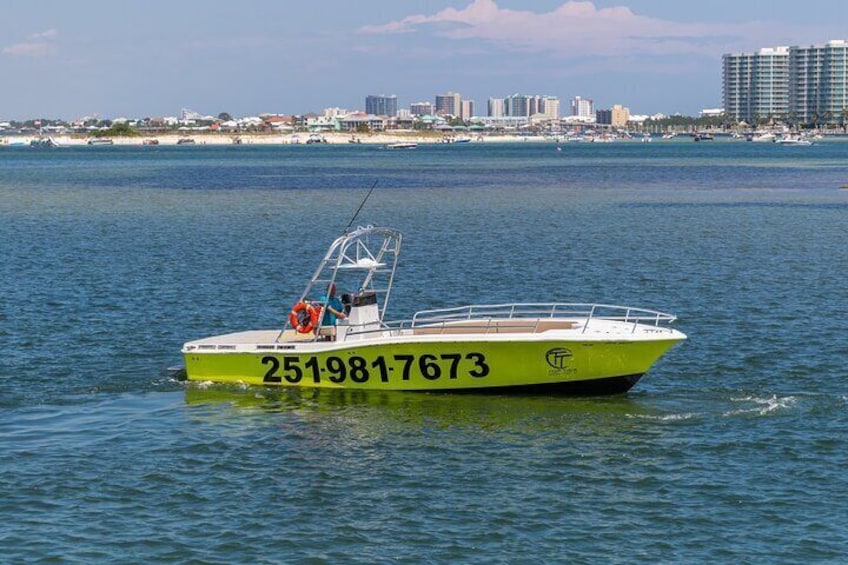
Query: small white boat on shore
[556,347]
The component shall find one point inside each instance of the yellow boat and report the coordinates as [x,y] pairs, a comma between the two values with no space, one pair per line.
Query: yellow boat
[523,347]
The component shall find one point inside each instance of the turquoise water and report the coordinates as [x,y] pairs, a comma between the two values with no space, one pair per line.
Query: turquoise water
[731,449]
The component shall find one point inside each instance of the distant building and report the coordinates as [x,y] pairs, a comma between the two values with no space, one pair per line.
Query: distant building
[448,104]
[818,82]
[582,107]
[756,85]
[522,106]
[323,123]
[421,109]
[335,112]
[496,108]
[371,122]
[616,117]
[549,107]
[798,84]
[503,122]
[381,105]
[518,105]
[187,115]
[466,109]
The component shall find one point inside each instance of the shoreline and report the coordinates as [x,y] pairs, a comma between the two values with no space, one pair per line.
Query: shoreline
[334,138]
[274,139]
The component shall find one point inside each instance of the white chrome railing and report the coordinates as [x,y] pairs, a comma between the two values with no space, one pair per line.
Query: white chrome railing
[545,310]
[521,317]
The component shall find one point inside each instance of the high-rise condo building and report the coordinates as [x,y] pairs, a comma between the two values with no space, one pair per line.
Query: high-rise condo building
[617,116]
[381,105]
[421,109]
[521,106]
[798,84]
[517,106]
[818,83]
[549,107]
[582,107]
[756,85]
[448,104]
[466,109]
[496,108]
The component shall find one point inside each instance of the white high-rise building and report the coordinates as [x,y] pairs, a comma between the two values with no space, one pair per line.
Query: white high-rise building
[795,84]
[818,83]
[549,107]
[756,85]
[466,109]
[582,107]
[496,108]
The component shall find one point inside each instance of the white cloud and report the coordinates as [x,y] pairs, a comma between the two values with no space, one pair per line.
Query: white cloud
[49,34]
[38,45]
[574,28]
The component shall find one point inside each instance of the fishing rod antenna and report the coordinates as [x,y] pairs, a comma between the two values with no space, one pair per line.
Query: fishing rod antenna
[361,204]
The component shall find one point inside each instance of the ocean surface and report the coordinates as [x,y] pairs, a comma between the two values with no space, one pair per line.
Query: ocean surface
[732,449]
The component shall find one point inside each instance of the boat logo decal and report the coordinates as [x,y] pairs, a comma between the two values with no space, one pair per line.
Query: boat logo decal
[558,357]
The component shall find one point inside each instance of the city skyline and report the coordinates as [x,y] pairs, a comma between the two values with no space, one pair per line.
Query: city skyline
[93,57]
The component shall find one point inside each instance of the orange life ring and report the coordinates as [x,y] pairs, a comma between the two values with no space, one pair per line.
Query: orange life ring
[304,317]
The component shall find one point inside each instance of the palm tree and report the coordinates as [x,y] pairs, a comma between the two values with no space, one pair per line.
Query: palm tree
[826,117]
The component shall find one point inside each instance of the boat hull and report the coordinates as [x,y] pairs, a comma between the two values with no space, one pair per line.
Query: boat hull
[549,365]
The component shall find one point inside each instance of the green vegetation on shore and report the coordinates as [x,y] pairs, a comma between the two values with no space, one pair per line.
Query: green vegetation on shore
[117,129]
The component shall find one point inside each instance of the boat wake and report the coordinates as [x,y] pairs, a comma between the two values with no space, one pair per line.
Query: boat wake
[763,406]
[740,406]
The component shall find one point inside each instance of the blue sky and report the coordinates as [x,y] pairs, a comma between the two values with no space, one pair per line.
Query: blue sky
[136,58]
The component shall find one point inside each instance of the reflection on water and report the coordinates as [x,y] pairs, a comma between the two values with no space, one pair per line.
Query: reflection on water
[390,409]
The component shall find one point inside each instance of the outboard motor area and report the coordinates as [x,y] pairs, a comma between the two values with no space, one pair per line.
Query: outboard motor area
[364,313]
